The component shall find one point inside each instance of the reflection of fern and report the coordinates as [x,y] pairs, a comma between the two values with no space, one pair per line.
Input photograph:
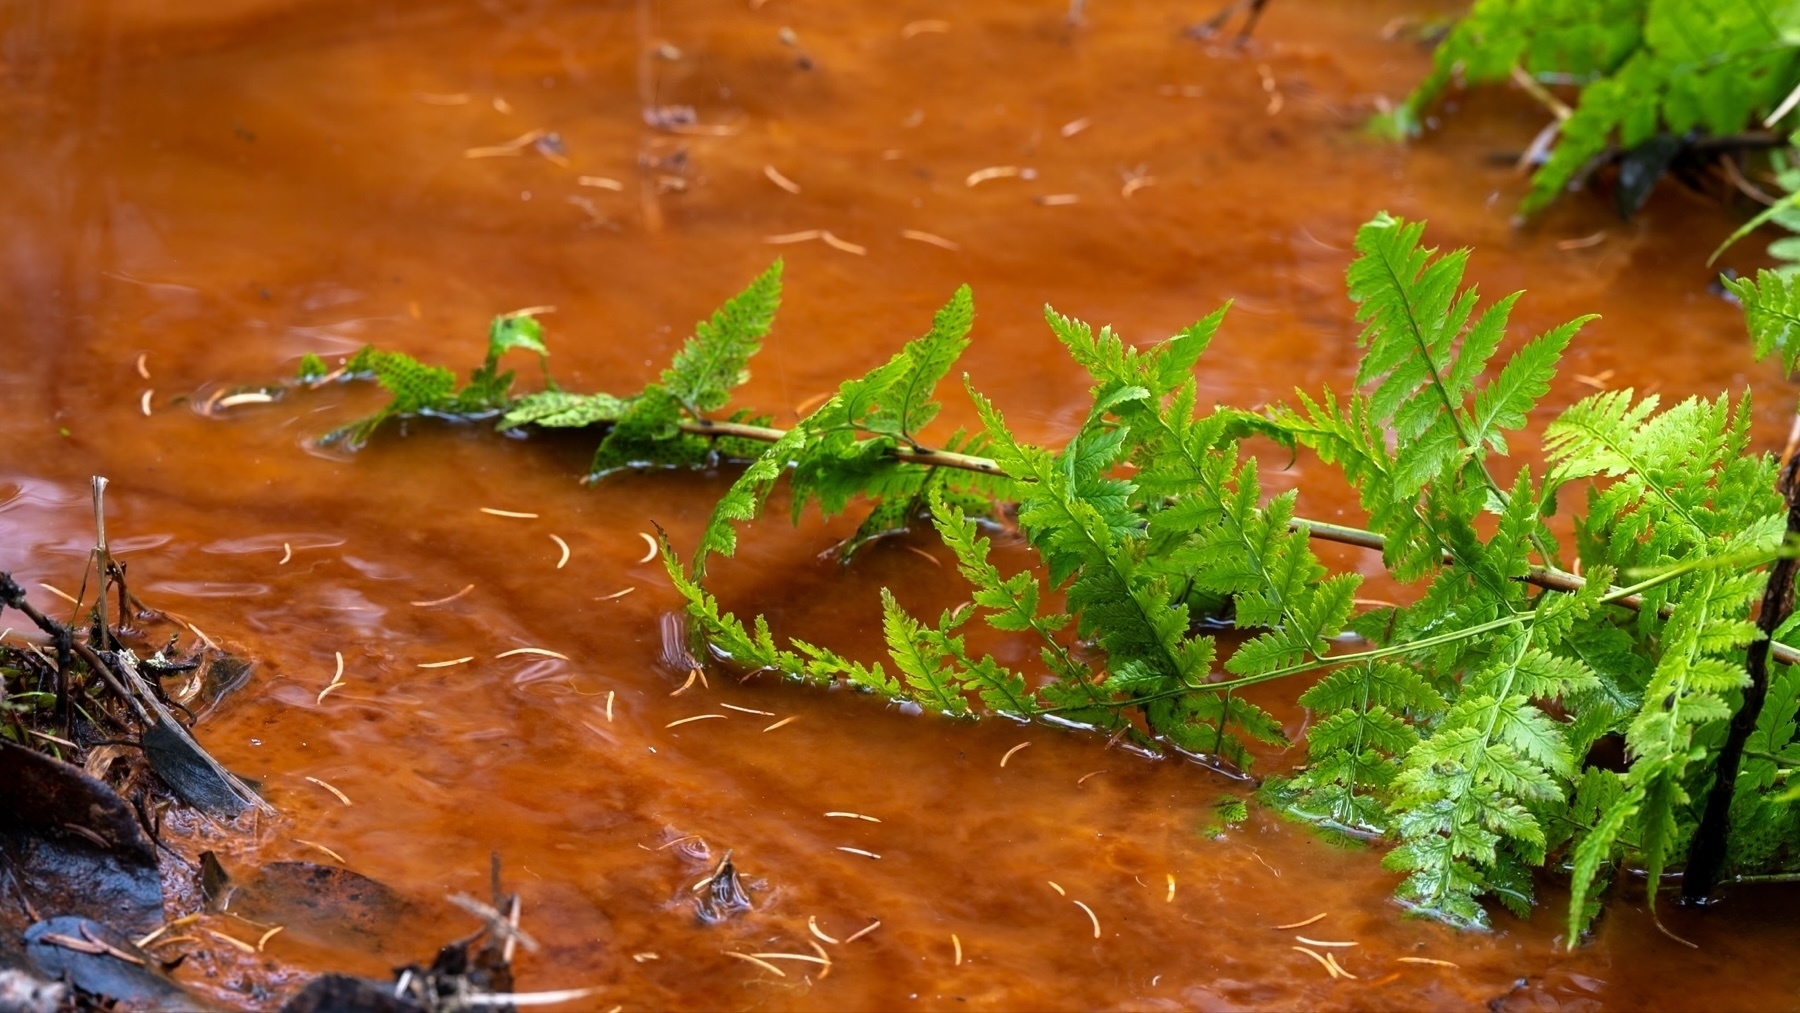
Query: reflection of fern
[1644,66]
[1458,733]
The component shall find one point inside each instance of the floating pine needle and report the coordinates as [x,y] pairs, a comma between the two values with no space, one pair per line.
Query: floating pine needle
[1170,899]
[447,664]
[933,560]
[338,676]
[512,147]
[208,641]
[1056,200]
[785,238]
[1584,242]
[600,182]
[1092,917]
[926,237]
[442,601]
[783,721]
[805,408]
[184,920]
[1331,961]
[546,652]
[1054,885]
[266,936]
[341,797]
[807,957]
[143,367]
[287,553]
[144,402]
[1326,964]
[692,675]
[842,245]
[812,925]
[824,972]
[980,176]
[1302,924]
[750,710]
[697,717]
[1321,942]
[60,593]
[460,98]
[235,942]
[508,513]
[853,816]
[1073,127]
[758,961]
[1136,183]
[957,945]
[644,958]
[649,547]
[858,851]
[1083,778]
[865,930]
[314,844]
[248,397]
[779,180]
[609,702]
[1010,752]
[916,28]
[564,546]
[616,594]
[1425,960]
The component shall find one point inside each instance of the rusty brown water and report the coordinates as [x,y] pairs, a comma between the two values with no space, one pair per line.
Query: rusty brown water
[198,192]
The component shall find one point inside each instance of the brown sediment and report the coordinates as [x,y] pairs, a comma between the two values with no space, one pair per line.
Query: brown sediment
[214,189]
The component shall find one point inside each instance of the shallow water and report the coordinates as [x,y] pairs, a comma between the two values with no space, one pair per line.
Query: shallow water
[200,192]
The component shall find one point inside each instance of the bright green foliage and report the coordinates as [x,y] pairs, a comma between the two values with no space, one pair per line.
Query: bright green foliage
[717,357]
[313,368]
[849,446]
[1460,731]
[1772,309]
[420,389]
[1688,501]
[1644,66]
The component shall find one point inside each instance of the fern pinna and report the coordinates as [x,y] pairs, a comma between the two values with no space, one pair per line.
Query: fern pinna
[1460,729]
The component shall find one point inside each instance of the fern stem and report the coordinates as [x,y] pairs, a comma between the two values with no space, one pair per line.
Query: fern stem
[909,454]
[1548,578]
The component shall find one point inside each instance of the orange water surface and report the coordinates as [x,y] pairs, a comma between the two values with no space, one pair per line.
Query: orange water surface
[200,191]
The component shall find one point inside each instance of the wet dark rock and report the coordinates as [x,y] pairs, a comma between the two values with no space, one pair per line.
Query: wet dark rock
[103,962]
[341,993]
[71,846]
[323,904]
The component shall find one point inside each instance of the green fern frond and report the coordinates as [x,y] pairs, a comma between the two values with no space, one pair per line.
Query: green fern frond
[717,357]
[1772,313]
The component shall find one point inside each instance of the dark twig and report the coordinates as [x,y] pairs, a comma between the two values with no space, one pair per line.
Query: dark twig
[1707,856]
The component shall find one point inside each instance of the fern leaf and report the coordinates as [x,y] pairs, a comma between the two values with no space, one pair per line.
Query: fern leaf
[558,409]
[920,659]
[717,357]
[1772,313]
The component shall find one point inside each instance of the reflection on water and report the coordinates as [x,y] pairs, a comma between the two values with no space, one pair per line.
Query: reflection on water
[200,192]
